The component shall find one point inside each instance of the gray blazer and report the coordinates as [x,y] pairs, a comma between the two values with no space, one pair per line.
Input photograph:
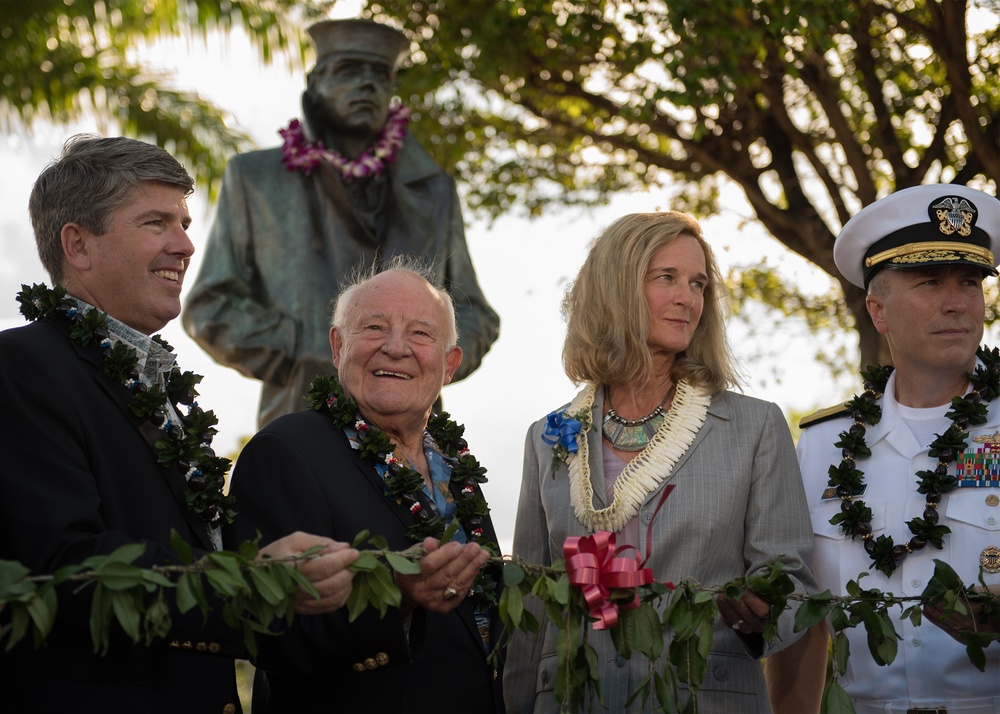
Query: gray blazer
[738,505]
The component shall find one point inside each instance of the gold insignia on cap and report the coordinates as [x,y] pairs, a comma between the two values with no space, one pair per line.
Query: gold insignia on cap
[993,500]
[933,252]
[955,214]
[990,559]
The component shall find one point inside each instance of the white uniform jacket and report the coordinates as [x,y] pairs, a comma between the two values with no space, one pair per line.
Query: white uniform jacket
[930,669]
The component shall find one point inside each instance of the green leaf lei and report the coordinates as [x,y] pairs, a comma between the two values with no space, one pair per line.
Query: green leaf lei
[404,485]
[187,445]
[855,516]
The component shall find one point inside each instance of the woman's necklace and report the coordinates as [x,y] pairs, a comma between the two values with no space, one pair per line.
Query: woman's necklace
[404,485]
[855,516]
[632,434]
[642,475]
[187,445]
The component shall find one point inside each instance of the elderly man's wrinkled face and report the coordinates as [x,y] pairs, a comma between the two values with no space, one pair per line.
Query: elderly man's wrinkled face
[354,92]
[393,354]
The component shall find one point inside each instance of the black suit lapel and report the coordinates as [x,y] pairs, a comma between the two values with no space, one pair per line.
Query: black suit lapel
[371,475]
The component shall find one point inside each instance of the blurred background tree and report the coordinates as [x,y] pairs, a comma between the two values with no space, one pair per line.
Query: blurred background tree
[64,59]
[812,108]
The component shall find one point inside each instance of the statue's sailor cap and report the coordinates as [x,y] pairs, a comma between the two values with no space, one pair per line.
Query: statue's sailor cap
[360,38]
[933,224]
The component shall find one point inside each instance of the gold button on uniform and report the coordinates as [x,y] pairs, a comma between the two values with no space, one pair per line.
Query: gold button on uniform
[382,658]
[358,667]
[229,709]
[370,663]
[993,500]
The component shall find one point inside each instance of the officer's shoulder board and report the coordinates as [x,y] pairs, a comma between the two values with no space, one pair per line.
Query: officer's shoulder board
[818,417]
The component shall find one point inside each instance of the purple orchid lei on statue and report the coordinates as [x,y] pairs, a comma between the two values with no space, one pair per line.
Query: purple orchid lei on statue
[300,154]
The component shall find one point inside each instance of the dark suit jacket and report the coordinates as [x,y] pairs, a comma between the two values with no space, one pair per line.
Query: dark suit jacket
[78,478]
[300,473]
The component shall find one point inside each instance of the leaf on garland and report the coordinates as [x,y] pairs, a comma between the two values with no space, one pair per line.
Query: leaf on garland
[402,565]
[813,611]
[835,700]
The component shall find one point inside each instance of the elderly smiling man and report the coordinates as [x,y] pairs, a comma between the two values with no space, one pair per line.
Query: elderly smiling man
[371,457]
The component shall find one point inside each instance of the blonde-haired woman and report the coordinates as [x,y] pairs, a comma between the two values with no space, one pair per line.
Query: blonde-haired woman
[646,337]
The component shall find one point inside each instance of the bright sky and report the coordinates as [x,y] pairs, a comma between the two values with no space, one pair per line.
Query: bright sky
[523,268]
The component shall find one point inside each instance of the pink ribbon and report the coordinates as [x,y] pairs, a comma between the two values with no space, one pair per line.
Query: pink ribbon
[596,567]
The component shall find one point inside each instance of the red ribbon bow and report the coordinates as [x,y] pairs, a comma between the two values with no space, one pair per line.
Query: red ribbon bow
[596,567]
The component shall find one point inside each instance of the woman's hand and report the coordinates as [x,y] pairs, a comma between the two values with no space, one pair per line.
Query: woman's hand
[747,615]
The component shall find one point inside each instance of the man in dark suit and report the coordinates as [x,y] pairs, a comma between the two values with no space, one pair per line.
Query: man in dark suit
[79,471]
[369,456]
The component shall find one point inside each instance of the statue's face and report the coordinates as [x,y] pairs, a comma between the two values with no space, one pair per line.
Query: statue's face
[354,92]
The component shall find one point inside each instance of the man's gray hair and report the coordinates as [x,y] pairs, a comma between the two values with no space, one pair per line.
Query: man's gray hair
[361,275]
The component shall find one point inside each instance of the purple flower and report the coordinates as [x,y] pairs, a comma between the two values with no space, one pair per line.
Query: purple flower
[298,153]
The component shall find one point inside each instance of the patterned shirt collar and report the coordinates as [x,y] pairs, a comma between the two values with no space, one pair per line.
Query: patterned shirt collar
[155,361]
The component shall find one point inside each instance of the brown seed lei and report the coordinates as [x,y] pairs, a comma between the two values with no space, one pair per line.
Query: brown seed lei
[855,516]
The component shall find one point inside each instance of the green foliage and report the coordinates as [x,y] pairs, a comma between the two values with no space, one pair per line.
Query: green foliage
[254,594]
[812,109]
[549,101]
[871,610]
[37,302]
[63,60]
[257,595]
[946,589]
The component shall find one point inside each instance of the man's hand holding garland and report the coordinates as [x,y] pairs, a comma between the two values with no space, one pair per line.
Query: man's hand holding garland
[327,570]
[446,574]
[979,619]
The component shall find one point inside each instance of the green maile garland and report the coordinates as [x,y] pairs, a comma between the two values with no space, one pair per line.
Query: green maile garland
[855,516]
[187,445]
[404,485]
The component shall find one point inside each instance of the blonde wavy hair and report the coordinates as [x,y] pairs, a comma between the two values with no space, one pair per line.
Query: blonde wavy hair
[608,318]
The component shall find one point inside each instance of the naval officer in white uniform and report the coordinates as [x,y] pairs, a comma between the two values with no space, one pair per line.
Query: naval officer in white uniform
[922,254]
